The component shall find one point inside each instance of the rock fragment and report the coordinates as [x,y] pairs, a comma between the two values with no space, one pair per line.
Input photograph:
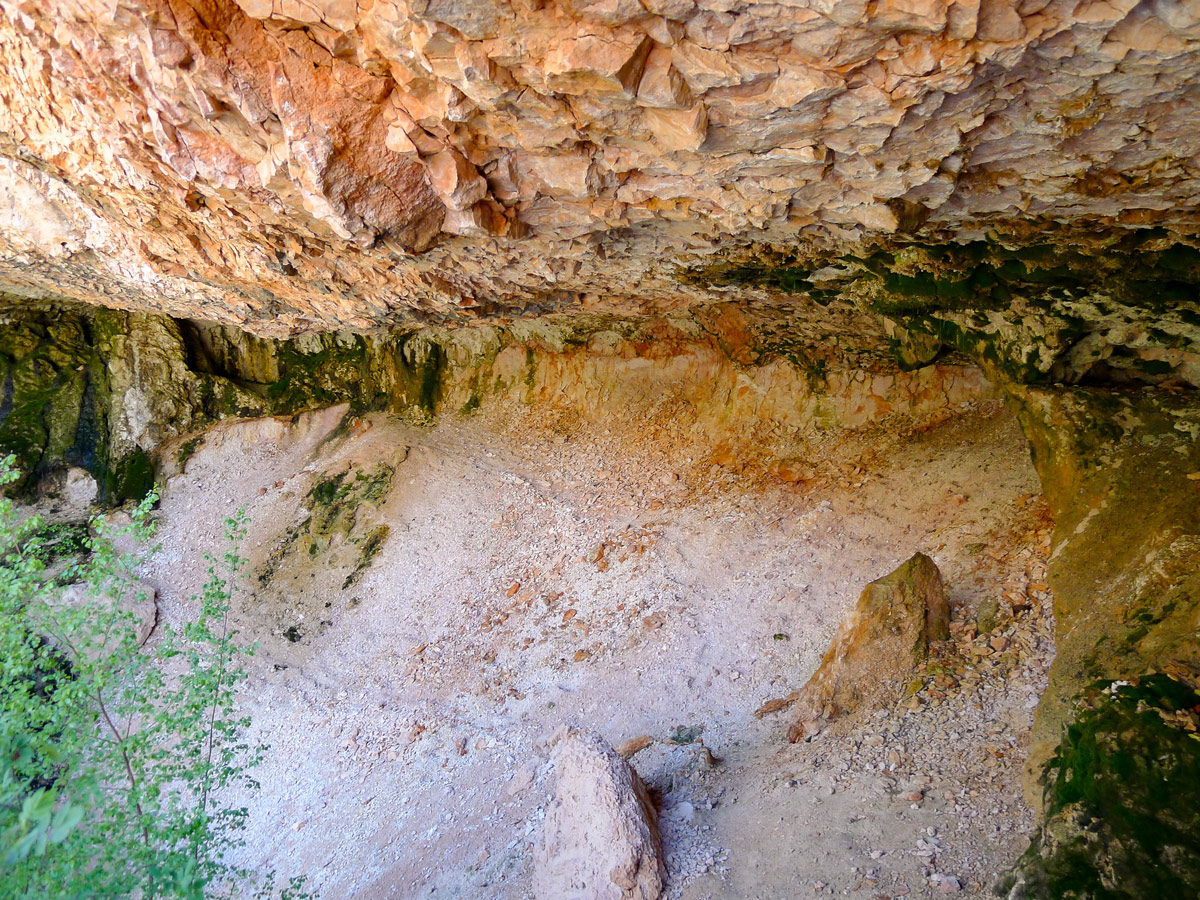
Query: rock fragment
[877,646]
[600,840]
[679,129]
[628,749]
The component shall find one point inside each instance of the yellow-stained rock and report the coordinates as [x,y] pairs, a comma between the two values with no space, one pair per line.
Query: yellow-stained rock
[877,646]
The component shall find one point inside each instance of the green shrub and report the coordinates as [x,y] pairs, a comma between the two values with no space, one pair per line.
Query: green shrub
[114,758]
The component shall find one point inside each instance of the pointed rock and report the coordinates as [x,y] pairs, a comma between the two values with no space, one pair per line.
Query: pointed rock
[877,646]
[600,840]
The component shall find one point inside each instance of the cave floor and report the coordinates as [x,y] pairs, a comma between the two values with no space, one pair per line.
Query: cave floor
[628,578]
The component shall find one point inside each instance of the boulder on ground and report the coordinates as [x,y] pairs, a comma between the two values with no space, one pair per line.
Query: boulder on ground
[600,840]
[79,487]
[877,647]
[136,598]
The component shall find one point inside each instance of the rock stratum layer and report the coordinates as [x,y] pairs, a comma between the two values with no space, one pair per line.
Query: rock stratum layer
[293,165]
[114,392]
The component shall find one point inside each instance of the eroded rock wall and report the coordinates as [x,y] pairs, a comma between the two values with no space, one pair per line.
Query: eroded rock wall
[1121,471]
[1114,757]
[110,391]
[100,389]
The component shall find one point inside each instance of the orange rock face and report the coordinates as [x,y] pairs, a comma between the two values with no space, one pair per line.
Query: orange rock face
[294,165]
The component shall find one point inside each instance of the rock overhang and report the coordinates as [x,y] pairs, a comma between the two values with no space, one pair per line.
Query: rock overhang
[804,198]
[293,167]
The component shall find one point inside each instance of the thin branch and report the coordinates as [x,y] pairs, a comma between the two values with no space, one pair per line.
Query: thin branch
[133,785]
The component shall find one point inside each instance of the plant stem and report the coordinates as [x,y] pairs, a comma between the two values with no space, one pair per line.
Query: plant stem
[133,787]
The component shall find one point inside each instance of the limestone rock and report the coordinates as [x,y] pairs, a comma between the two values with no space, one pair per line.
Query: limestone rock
[999,21]
[662,86]
[75,486]
[456,181]
[595,64]
[679,129]
[909,16]
[136,599]
[79,488]
[1114,468]
[600,840]
[312,165]
[877,646]
[476,19]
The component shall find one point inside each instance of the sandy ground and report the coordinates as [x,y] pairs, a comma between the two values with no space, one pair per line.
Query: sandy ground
[538,573]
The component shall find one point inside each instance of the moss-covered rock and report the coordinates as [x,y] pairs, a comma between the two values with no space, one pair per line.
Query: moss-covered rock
[102,389]
[1062,306]
[1115,467]
[1122,800]
[1125,571]
[130,478]
[341,511]
[50,398]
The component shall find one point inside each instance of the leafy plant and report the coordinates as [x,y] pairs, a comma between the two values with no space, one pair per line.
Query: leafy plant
[114,758]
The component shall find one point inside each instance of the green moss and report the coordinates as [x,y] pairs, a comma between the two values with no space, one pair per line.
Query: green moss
[420,366]
[329,495]
[1122,799]
[44,413]
[338,506]
[1153,614]
[530,369]
[186,449]
[328,491]
[53,395]
[368,550]
[431,370]
[130,478]
[335,373]
[1136,635]
[23,434]
[920,283]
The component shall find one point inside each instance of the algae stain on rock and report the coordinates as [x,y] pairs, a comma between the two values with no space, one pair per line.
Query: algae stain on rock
[342,511]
